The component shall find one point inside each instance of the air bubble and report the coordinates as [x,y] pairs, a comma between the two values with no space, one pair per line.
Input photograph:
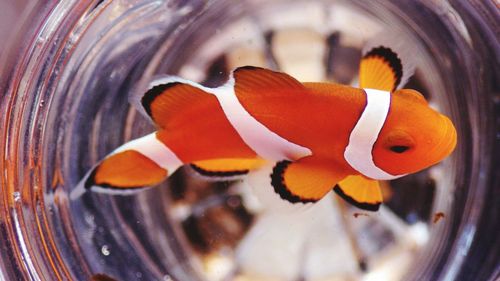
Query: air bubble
[105,250]
[17,196]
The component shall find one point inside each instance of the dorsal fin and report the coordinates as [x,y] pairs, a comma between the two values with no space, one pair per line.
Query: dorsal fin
[381,69]
[411,95]
[256,80]
[165,101]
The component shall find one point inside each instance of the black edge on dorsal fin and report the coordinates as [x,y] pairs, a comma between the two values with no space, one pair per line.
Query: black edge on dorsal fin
[153,93]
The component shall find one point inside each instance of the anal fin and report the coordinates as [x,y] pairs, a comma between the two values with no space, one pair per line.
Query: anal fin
[227,167]
[361,192]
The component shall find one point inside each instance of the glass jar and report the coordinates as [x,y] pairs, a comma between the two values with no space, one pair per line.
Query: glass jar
[65,76]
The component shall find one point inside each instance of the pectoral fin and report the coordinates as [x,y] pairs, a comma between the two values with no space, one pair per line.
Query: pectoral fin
[380,69]
[361,192]
[306,180]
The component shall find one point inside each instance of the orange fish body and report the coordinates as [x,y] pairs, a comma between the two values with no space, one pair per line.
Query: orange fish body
[322,136]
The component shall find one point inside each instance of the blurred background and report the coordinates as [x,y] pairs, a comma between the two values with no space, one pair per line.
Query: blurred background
[10,16]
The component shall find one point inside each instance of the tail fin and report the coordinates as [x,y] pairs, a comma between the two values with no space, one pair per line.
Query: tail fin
[136,165]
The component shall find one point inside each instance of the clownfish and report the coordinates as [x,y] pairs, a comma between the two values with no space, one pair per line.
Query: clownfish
[321,136]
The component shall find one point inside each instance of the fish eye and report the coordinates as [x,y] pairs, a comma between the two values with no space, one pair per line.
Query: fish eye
[398,141]
[399,148]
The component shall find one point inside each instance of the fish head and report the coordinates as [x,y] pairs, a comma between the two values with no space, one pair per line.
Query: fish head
[414,136]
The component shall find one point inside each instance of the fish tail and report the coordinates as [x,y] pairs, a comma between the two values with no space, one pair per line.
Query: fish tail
[132,167]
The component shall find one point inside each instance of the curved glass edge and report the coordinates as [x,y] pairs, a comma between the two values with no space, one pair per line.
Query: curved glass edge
[480,241]
[23,221]
[470,250]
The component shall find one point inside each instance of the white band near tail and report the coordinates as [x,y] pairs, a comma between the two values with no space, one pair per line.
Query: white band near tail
[258,137]
[155,150]
[358,152]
